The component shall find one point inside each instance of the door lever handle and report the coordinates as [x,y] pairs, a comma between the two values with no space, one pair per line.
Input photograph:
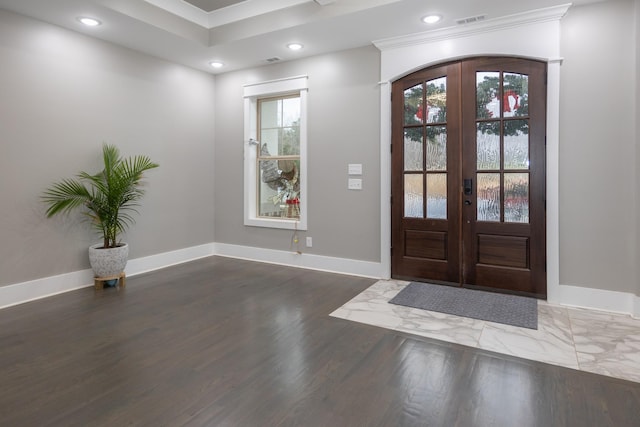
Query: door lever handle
[467,202]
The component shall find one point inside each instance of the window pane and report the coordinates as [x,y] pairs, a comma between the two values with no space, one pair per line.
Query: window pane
[413,149]
[269,188]
[279,178]
[413,196]
[516,197]
[516,95]
[488,145]
[280,142]
[487,94]
[270,141]
[291,112]
[437,100]
[437,148]
[413,111]
[437,195]
[280,127]
[516,144]
[270,113]
[289,141]
[488,197]
[279,188]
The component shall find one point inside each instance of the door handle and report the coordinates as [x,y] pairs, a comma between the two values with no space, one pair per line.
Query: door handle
[468,187]
[467,202]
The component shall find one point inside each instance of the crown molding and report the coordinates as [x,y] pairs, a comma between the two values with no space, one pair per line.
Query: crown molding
[530,17]
[226,15]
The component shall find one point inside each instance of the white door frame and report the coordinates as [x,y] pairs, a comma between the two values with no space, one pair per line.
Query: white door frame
[534,35]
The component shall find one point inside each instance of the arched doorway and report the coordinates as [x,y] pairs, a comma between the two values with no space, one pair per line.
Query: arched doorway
[468,175]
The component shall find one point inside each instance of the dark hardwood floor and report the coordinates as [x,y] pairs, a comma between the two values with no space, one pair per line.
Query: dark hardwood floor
[223,342]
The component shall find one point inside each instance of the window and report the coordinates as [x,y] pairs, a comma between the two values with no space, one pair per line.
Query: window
[279,157]
[275,154]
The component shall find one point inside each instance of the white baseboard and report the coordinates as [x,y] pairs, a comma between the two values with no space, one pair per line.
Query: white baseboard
[598,299]
[48,286]
[167,259]
[292,259]
[19,293]
[573,296]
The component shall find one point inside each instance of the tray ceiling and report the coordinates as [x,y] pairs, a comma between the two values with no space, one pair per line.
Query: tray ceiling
[211,5]
[247,33]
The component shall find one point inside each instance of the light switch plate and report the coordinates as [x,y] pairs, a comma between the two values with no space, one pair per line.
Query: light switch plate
[355,184]
[355,169]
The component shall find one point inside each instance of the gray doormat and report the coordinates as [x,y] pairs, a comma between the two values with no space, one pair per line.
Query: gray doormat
[500,308]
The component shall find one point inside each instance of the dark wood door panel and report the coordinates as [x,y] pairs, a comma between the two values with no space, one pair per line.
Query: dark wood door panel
[497,252]
[493,235]
[504,279]
[418,269]
[504,251]
[424,246]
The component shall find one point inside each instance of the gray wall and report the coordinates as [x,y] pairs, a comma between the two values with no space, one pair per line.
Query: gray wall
[61,95]
[599,215]
[343,128]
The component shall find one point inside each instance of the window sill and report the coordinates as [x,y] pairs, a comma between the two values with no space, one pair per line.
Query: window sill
[286,224]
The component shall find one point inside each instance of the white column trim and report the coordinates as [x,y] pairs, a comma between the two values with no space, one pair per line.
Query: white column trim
[553,182]
[385,178]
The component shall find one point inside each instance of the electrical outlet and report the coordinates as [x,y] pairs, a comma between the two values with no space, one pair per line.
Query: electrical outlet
[309,242]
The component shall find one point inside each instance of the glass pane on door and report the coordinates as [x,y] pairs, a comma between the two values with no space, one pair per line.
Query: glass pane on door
[437,100]
[436,148]
[516,197]
[488,197]
[413,108]
[488,145]
[413,196]
[488,94]
[413,155]
[515,95]
[437,195]
[516,144]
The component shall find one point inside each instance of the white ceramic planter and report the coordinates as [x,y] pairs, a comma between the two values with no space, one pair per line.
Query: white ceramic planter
[108,262]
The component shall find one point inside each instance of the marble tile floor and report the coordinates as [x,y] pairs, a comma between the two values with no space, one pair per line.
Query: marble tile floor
[599,342]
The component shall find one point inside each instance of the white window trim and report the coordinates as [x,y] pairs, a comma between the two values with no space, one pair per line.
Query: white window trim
[252,92]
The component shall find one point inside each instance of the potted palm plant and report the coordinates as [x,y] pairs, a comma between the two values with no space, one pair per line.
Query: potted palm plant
[108,200]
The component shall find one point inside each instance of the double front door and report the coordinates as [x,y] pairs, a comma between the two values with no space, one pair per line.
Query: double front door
[468,175]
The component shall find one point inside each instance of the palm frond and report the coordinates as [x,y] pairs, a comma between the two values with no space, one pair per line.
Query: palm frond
[110,197]
[65,196]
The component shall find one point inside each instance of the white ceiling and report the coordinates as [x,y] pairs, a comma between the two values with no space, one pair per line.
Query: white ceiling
[244,33]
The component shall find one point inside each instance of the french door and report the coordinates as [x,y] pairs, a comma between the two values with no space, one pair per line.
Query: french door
[468,175]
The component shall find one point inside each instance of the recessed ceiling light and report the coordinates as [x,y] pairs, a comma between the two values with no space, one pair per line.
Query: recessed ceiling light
[216,64]
[294,46]
[431,19]
[89,22]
